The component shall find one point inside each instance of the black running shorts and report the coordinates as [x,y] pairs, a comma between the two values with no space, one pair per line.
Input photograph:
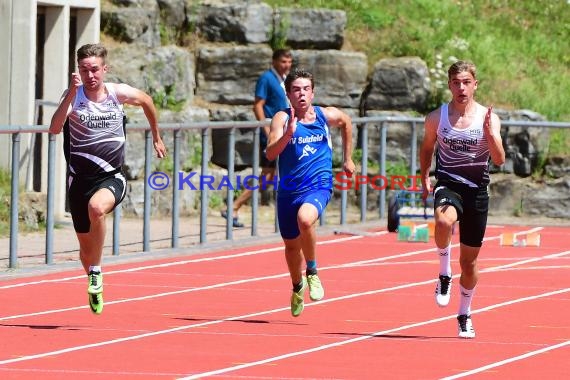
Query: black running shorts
[81,189]
[472,205]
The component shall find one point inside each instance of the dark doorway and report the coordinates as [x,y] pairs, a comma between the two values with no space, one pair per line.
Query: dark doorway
[72,42]
[36,148]
[71,69]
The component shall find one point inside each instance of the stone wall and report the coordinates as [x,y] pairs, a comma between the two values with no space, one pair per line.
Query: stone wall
[213,76]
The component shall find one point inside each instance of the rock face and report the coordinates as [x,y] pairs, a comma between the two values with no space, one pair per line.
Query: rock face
[312,28]
[227,75]
[215,78]
[340,76]
[249,23]
[236,48]
[167,73]
[512,195]
[398,84]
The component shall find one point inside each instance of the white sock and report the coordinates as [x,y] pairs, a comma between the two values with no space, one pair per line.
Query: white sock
[445,261]
[465,300]
[95,268]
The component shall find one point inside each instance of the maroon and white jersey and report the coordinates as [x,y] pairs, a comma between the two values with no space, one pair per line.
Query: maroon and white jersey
[462,154]
[96,134]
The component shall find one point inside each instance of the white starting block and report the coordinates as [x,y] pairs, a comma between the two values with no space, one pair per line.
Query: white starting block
[512,239]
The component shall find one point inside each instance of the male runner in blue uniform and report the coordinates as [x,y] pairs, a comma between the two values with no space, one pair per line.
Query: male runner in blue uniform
[96,182]
[466,134]
[300,137]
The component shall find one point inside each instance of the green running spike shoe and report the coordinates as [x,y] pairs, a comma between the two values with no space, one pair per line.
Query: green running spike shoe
[95,292]
[96,303]
[297,300]
[95,283]
[316,290]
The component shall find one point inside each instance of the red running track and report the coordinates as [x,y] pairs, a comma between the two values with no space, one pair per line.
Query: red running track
[226,315]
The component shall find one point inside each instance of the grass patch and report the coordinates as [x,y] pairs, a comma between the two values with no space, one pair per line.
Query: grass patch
[4,202]
[559,144]
[5,195]
[515,44]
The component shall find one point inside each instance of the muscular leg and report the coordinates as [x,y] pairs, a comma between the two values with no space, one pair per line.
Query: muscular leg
[294,258]
[467,282]
[472,230]
[298,252]
[469,269]
[91,243]
[445,216]
[302,248]
[306,219]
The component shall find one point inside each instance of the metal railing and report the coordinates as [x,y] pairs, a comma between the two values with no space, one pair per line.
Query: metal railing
[364,124]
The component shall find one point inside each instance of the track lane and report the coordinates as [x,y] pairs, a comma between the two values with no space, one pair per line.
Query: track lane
[330,259]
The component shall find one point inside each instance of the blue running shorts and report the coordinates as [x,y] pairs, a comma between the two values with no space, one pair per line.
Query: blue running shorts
[288,206]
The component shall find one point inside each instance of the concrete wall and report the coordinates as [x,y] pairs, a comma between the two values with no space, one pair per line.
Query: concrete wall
[18,50]
[5,67]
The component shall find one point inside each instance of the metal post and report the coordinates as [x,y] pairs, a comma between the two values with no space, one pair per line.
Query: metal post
[204,193]
[175,192]
[343,204]
[230,191]
[382,205]
[116,229]
[413,165]
[146,212]
[255,193]
[414,157]
[323,218]
[13,262]
[50,200]
[364,189]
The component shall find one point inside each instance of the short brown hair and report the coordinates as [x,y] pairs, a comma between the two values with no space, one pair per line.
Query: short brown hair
[461,66]
[296,74]
[91,50]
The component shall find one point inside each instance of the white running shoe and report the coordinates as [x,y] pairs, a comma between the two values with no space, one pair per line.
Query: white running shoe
[443,290]
[465,327]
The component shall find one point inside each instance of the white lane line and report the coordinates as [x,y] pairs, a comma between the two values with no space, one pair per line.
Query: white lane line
[229,256]
[219,285]
[202,324]
[534,259]
[536,229]
[354,295]
[361,338]
[181,262]
[508,361]
[177,292]
[41,372]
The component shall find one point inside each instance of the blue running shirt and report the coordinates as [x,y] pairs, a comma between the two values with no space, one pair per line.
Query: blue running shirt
[306,162]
